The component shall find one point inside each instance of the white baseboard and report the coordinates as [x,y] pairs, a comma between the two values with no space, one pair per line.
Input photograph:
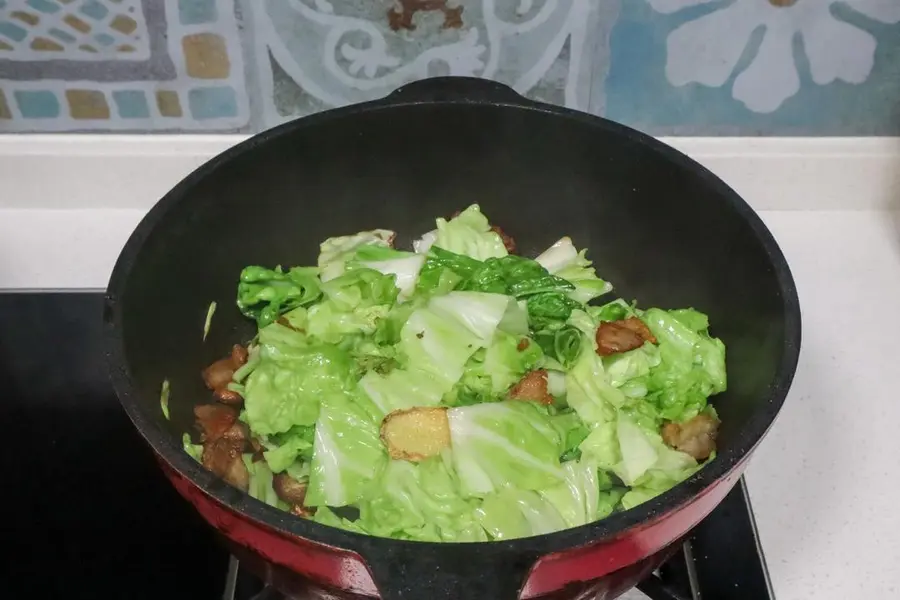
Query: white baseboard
[82,171]
[69,202]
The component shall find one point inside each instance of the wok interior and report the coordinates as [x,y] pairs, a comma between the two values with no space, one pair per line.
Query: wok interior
[659,232]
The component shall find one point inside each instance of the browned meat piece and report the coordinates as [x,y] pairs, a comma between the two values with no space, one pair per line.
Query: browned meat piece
[223,458]
[614,337]
[533,388]
[640,328]
[239,356]
[400,16]
[289,489]
[256,449]
[696,437]
[523,345]
[214,420]
[230,397]
[219,374]
[508,242]
[238,433]
[303,511]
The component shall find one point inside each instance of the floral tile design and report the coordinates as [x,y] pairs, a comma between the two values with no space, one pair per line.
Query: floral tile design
[692,67]
[312,54]
[770,67]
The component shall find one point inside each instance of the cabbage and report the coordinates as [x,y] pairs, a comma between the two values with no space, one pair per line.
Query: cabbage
[631,452]
[282,452]
[457,323]
[572,432]
[655,482]
[577,498]
[354,303]
[469,233]
[443,271]
[504,444]
[437,341]
[402,388]
[563,260]
[280,394]
[489,374]
[420,502]
[626,367]
[347,453]
[195,451]
[602,444]
[265,294]
[516,513]
[260,486]
[336,251]
[326,516]
[691,367]
[589,391]
[404,269]
[506,361]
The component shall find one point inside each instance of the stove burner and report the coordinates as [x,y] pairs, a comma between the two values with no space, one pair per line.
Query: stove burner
[721,558]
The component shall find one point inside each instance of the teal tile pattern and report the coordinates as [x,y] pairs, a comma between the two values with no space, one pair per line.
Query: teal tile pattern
[12,31]
[212,102]
[44,6]
[131,104]
[37,104]
[123,65]
[104,39]
[668,67]
[94,10]
[193,12]
[61,35]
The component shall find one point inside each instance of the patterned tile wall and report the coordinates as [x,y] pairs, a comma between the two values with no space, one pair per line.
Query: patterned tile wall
[691,67]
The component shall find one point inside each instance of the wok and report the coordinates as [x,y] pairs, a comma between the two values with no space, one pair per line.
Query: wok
[660,226]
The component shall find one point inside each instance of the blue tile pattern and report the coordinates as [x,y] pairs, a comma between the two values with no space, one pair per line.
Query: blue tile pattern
[668,67]
[37,104]
[94,10]
[104,39]
[12,31]
[212,102]
[44,6]
[193,12]
[61,35]
[131,104]
[747,67]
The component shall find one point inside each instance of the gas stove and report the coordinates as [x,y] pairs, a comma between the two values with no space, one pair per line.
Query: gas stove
[90,515]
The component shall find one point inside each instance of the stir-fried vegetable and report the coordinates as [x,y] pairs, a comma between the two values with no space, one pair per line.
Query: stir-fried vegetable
[457,392]
[207,323]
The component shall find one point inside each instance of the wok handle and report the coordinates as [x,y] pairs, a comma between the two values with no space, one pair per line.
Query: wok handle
[456,572]
[442,89]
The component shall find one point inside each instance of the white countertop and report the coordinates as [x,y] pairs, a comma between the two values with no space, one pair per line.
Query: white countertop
[824,483]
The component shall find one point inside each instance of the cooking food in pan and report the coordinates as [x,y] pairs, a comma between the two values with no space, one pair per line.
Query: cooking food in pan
[455,390]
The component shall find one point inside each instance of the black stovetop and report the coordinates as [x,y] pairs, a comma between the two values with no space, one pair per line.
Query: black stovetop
[88,514]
